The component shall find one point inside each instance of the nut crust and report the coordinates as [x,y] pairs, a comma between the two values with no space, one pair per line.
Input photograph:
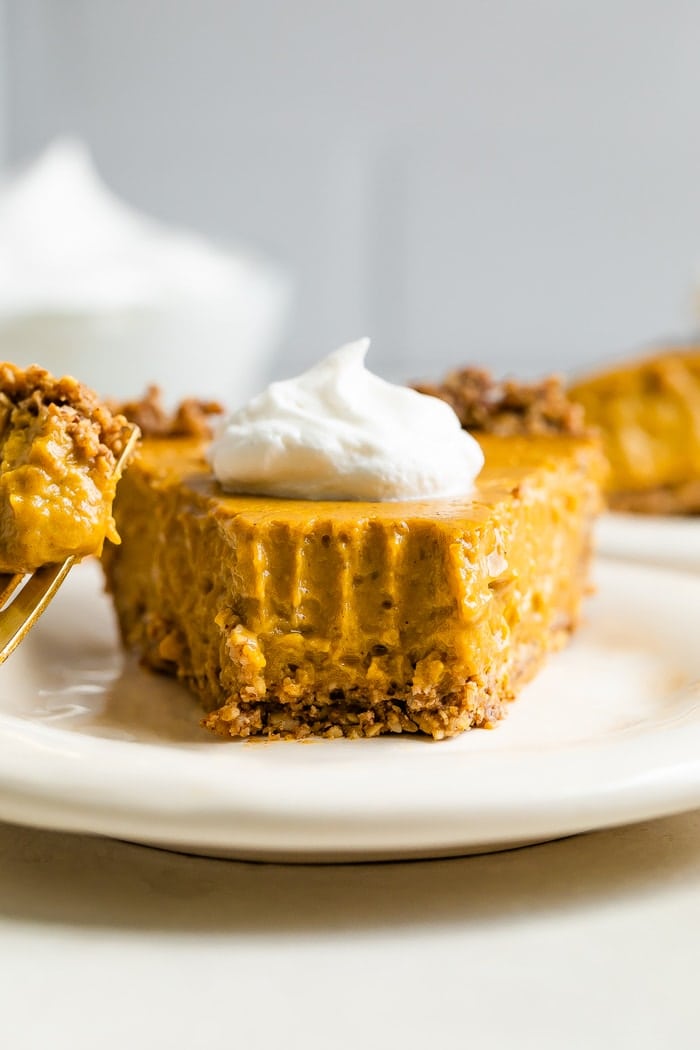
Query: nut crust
[507,407]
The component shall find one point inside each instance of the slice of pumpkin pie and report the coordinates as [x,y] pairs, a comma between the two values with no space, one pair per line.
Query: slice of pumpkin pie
[344,616]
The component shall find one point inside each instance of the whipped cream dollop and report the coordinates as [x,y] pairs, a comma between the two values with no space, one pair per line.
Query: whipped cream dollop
[339,432]
[69,245]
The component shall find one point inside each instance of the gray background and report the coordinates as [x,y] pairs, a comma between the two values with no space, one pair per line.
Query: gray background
[515,183]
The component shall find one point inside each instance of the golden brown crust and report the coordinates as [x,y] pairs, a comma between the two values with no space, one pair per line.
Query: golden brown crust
[508,407]
[477,705]
[190,419]
[98,431]
[474,708]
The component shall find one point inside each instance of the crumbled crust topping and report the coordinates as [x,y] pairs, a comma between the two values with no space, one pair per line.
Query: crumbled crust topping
[95,428]
[190,419]
[507,407]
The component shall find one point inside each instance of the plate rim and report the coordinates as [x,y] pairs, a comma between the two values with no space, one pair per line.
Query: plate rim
[663,541]
[345,820]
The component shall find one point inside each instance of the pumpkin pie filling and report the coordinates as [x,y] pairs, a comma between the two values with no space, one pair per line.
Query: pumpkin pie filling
[292,617]
[59,446]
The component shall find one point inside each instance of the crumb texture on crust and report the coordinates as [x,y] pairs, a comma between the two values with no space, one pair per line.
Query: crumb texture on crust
[31,390]
[508,407]
[59,446]
[477,704]
[191,418]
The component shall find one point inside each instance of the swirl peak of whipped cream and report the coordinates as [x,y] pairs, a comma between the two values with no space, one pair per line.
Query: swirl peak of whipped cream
[339,432]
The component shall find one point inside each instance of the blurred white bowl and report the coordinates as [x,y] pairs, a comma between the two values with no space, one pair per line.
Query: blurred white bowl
[217,350]
[92,288]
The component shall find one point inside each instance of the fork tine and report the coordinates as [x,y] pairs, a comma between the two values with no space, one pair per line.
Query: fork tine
[19,617]
[129,446]
[8,586]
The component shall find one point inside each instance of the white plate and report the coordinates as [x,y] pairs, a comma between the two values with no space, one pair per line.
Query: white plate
[609,733]
[673,542]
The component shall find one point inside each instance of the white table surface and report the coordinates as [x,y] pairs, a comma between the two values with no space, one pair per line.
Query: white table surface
[587,942]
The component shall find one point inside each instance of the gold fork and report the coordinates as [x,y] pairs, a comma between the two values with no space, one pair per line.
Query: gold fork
[18,616]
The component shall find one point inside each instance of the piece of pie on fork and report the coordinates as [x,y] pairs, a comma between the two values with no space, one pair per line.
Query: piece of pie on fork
[62,452]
